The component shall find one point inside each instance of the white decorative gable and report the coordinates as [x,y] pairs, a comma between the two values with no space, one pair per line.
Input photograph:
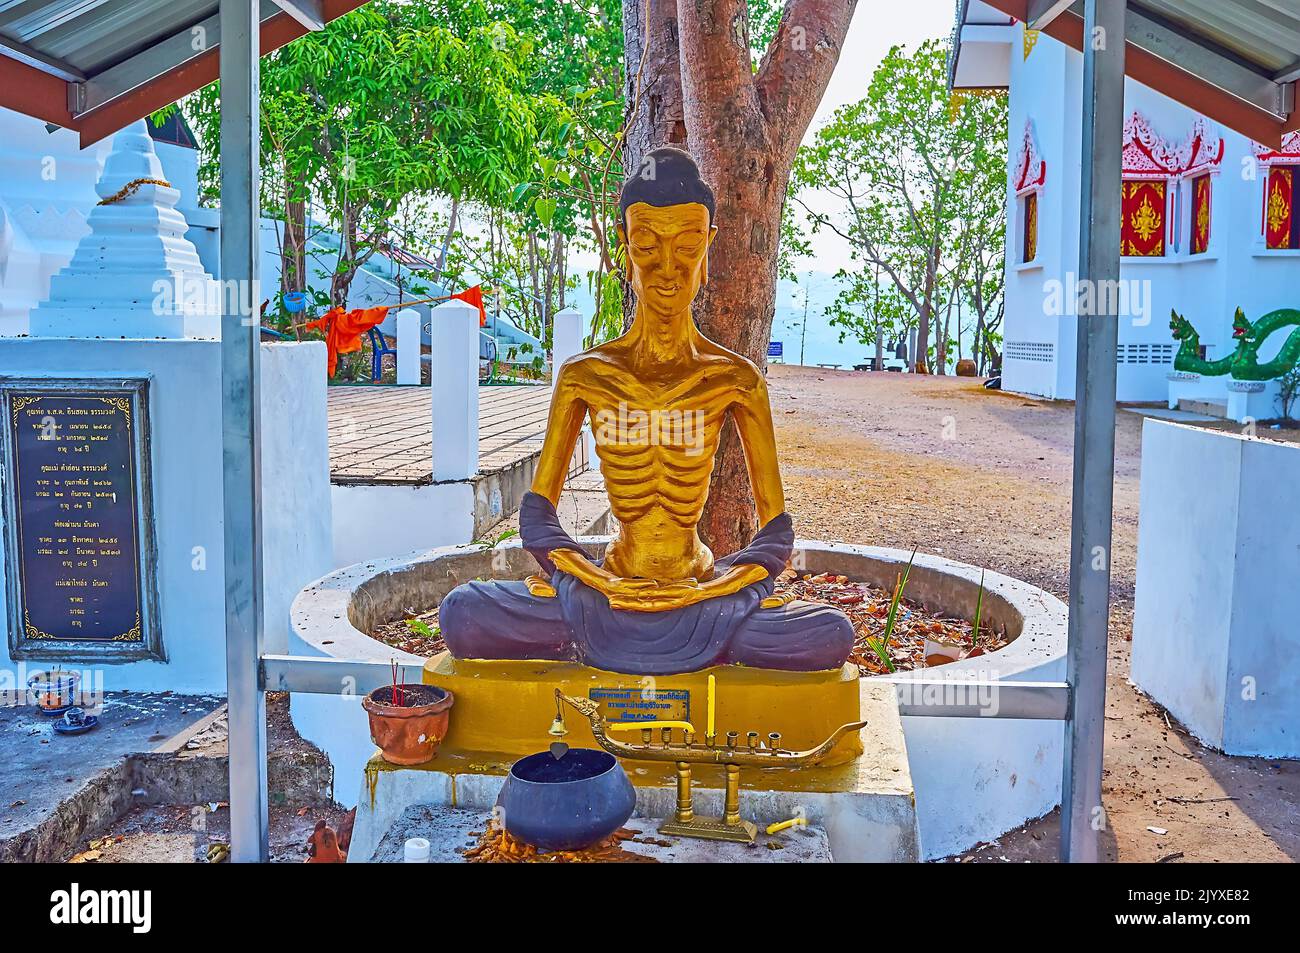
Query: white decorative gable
[1147,153]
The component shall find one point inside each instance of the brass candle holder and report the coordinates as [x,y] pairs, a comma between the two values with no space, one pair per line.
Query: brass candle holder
[732,755]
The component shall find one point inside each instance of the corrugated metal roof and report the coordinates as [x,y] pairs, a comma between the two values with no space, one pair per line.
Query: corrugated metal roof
[1236,61]
[95,65]
[90,36]
[1265,33]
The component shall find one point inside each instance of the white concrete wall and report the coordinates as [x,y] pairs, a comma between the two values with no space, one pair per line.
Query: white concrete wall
[977,778]
[47,188]
[1215,638]
[185,426]
[376,522]
[1237,271]
[297,512]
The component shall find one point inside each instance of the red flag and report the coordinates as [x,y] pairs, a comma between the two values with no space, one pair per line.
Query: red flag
[474,296]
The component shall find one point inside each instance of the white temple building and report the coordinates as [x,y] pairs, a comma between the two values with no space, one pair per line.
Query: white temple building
[1209,222]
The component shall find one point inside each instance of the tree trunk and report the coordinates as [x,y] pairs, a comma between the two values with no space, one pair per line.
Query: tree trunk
[922,351]
[652,93]
[293,266]
[446,241]
[743,129]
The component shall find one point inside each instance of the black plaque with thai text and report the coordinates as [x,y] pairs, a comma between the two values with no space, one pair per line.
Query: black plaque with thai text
[76,556]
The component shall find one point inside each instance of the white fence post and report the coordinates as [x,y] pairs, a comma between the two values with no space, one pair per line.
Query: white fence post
[408,346]
[566,341]
[566,338]
[453,334]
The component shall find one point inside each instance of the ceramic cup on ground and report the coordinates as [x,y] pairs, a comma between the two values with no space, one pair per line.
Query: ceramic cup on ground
[54,692]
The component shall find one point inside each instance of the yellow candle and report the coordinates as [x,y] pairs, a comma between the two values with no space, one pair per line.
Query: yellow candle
[783,825]
[712,687]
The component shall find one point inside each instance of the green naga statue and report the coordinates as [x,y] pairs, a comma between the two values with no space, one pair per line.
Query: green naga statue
[1243,363]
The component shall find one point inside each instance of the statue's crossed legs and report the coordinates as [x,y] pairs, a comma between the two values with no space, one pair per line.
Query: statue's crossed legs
[503,620]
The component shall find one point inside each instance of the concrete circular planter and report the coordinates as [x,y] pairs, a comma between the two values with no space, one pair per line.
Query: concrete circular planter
[975,778]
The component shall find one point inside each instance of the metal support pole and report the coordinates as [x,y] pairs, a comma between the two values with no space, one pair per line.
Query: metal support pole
[240,353]
[1082,815]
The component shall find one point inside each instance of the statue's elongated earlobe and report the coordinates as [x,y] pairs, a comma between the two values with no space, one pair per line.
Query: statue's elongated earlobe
[713,233]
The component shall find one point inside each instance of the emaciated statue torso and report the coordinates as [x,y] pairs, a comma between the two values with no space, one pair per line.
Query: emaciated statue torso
[657,399]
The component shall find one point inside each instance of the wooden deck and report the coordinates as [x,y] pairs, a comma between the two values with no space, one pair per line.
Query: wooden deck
[382,434]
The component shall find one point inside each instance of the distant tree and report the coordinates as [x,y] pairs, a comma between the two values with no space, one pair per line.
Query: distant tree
[388,102]
[1288,392]
[919,184]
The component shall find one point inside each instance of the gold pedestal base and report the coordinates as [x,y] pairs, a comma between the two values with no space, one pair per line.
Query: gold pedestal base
[503,708]
[710,828]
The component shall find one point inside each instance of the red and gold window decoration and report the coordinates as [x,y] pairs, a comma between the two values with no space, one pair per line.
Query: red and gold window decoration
[1028,177]
[1158,169]
[1281,227]
[1029,240]
[1144,209]
[1200,242]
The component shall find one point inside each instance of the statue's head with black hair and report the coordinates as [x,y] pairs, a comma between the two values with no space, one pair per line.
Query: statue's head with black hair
[666,226]
[666,176]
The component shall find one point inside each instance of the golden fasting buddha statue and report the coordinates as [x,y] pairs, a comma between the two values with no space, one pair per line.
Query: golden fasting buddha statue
[657,399]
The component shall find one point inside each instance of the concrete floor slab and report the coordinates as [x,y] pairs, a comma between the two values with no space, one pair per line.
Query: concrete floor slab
[451,831]
[45,771]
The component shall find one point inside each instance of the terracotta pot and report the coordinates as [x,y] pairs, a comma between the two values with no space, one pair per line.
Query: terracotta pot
[966,367]
[408,734]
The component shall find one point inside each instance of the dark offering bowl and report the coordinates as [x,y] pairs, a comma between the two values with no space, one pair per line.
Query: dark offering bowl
[566,804]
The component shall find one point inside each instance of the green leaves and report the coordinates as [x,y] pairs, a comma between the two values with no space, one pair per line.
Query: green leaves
[423,629]
[918,190]
[545,209]
[881,646]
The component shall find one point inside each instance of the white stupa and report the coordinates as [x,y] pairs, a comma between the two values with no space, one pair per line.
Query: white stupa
[135,275]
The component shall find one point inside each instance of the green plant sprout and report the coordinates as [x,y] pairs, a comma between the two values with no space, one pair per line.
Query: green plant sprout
[881,646]
[423,629]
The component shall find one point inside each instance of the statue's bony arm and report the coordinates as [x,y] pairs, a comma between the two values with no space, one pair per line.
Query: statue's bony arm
[735,579]
[562,428]
[752,413]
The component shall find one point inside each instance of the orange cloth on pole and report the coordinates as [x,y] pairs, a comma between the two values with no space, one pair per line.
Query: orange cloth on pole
[343,330]
[474,296]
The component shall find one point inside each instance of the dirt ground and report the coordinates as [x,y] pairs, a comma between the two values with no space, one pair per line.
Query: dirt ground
[184,833]
[984,477]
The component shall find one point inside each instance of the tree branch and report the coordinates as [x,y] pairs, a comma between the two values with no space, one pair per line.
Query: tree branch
[798,65]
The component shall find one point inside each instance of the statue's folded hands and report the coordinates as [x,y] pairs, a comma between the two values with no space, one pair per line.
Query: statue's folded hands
[538,586]
[687,592]
[585,571]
